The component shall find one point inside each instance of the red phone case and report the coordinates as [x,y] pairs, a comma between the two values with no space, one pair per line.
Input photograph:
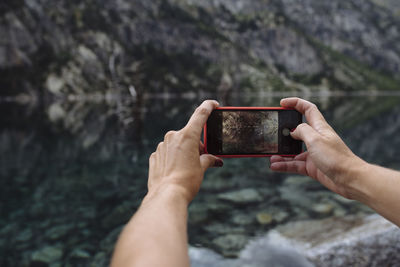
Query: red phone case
[244,156]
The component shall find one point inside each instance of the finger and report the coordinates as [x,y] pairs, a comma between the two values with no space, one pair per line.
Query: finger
[208,160]
[160,146]
[290,166]
[152,166]
[302,156]
[277,158]
[308,109]
[200,116]
[305,133]
[201,148]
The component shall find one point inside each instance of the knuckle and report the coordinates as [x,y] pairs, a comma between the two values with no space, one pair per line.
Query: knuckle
[208,102]
[159,145]
[202,110]
[169,134]
[313,106]
[186,133]
[301,126]
[312,139]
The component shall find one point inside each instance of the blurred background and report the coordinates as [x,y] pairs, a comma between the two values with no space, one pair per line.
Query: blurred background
[88,88]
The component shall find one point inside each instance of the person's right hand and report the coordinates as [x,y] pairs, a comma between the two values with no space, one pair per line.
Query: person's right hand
[327,159]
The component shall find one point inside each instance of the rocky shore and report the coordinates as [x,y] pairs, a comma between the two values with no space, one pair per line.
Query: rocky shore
[337,241]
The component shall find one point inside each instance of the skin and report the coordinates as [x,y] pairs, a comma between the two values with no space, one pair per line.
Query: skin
[329,161]
[157,234]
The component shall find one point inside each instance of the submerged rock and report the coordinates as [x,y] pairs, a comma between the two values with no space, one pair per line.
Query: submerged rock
[243,196]
[243,219]
[264,218]
[80,254]
[58,232]
[322,209]
[47,255]
[230,244]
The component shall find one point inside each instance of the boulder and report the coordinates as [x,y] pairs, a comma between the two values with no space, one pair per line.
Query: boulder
[344,241]
[243,196]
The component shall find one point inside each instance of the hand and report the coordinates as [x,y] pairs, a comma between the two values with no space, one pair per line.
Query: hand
[179,162]
[327,160]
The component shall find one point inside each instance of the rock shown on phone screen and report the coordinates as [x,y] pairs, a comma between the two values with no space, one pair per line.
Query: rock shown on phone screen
[249,131]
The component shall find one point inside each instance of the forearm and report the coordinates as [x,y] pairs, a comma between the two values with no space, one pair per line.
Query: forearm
[379,188]
[156,235]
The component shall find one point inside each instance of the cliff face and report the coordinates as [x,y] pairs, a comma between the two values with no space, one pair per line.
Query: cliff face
[75,47]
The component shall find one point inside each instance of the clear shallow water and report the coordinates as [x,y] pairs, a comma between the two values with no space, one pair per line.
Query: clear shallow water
[70,183]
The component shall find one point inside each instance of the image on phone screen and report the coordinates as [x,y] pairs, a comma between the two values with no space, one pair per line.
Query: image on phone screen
[250,132]
[247,132]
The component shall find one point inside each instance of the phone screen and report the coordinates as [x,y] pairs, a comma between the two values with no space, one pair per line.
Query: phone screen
[247,132]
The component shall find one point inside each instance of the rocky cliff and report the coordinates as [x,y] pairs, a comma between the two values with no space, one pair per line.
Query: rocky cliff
[73,47]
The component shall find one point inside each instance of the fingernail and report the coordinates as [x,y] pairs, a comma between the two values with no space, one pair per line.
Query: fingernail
[218,163]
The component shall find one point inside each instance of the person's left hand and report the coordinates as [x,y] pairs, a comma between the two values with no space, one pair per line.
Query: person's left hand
[179,162]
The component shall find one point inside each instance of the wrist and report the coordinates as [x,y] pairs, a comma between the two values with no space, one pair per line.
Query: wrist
[357,187]
[167,193]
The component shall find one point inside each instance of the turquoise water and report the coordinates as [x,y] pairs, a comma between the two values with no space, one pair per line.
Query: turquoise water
[69,183]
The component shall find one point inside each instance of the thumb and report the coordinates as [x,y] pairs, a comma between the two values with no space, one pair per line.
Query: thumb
[305,133]
[208,160]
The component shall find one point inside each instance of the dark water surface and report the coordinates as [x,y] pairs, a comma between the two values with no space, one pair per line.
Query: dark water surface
[68,184]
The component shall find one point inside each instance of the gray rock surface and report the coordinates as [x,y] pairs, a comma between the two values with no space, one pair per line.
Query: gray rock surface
[347,241]
[47,255]
[243,196]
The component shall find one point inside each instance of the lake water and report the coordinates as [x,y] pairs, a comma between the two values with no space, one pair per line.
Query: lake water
[74,171]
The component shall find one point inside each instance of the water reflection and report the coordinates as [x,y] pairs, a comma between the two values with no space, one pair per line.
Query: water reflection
[73,172]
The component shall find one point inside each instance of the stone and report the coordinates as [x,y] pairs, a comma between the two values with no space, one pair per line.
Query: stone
[86,53]
[218,207]
[100,259]
[347,241]
[17,43]
[339,212]
[242,219]
[47,255]
[202,257]
[56,112]
[264,218]
[54,84]
[108,243]
[222,228]
[216,180]
[230,244]
[198,213]
[80,254]
[322,209]
[24,236]
[280,216]
[342,200]
[58,232]
[118,216]
[244,196]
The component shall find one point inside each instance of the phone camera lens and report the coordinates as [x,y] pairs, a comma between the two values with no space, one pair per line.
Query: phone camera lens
[286,132]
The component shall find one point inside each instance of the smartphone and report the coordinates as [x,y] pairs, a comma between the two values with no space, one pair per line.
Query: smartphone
[252,132]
